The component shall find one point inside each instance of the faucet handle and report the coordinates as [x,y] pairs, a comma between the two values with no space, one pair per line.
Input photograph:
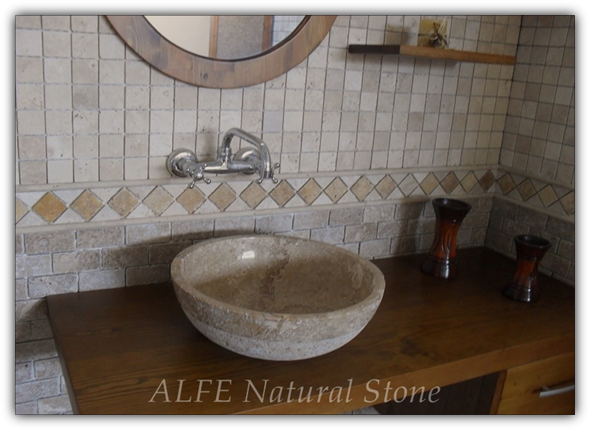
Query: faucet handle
[275,168]
[198,175]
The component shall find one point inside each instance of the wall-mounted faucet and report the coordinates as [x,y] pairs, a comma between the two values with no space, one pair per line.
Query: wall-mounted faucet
[183,162]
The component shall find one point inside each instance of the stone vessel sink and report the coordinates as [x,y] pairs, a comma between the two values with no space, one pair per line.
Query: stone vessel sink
[276,297]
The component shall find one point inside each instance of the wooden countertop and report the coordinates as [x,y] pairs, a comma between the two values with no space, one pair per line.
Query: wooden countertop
[122,348]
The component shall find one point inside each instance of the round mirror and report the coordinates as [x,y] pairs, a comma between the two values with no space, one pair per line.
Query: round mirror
[267,46]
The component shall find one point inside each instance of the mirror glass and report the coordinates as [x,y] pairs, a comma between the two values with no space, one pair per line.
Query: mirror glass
[225,37]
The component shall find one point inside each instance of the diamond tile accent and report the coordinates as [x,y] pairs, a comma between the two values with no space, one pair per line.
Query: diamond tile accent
[362,188]
[87,205]
[506,183]
[526,190]
[123,202]
[223,196]
[469,181]
[450,182]
[568,202]
[282,193]
[408,185]
[49,207]
[253,195]
[429,184]
[20,209]
[310,191]
[385,187]
[336,190]
[548,196]
[158,200]
[191,199]
[487,180]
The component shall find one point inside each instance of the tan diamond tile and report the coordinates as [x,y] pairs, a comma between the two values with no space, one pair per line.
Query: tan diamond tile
[569,203]
[385,187]
[49,207]
[310,191]
[20,209]
[253,195]
[526,190]
[191,199]
[487,180]
[547,196]
[223,196]
[506,183]
[87,205]
[158,200]
[408,185]
[123,202]
[450,182]
[362,188]
[429,184]
[282,193]
[336,190]
[469,181]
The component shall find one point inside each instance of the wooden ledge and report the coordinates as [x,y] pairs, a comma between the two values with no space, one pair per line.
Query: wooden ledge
[432,53]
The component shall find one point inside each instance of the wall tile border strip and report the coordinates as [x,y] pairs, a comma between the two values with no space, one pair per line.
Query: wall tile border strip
[152,202]
[149,203]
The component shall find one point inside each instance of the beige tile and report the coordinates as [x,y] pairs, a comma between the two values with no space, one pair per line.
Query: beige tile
[469,181]
[191,199]
[385,186]
[20,209]
[123,202]
[569,203]
[336,190]
[487,180]
[429,184]
[527,190]
[506,183]
[223,196]
[450,182]
[49,207]
[87,205]
[408,185]
[158,200]
[547,195]
[362,188]
[282,193]
[253,195]
[310,191]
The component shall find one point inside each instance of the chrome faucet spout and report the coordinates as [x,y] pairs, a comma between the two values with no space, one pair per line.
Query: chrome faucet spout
[183,162]
[264,168]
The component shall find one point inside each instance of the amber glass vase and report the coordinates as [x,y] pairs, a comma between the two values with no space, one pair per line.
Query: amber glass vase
[441,261]
[529,253]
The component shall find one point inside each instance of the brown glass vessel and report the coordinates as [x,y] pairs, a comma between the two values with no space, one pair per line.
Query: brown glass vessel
[529,253]
[441,261]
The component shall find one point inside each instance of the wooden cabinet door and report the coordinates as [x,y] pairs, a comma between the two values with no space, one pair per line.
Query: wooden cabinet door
[533,388]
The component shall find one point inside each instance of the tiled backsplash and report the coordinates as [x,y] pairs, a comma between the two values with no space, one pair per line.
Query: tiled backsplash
[364,142]
[89,110]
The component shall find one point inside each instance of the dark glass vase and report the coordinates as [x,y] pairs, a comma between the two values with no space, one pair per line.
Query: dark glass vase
[529,253]
[441,261]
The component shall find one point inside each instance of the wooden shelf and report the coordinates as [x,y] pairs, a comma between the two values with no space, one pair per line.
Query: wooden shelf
[432,53]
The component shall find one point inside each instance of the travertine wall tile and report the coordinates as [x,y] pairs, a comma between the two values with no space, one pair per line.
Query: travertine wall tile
[89,110]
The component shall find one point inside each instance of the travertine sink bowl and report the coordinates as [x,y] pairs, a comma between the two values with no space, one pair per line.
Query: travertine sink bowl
[275,297]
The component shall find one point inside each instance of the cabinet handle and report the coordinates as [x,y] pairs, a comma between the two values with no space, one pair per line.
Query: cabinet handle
[557,389]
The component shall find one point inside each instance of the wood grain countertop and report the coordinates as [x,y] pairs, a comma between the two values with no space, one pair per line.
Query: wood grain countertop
[132,350]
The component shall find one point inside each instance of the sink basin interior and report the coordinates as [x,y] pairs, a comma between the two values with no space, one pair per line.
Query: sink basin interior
[291,278]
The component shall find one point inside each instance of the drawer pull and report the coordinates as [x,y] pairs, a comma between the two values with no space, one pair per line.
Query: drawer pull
[556,390]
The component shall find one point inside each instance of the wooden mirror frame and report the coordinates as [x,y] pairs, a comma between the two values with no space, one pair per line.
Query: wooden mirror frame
[194,69]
